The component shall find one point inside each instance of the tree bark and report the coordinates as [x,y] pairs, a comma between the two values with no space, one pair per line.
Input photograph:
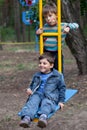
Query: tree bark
[1,48]
[75,39]
[17,20]
[29,38]
[24,32]
[81,17]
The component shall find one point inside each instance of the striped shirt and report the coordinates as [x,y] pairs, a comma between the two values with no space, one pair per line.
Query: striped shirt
[51,42]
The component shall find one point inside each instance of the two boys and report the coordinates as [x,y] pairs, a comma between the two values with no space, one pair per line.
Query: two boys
[47,88]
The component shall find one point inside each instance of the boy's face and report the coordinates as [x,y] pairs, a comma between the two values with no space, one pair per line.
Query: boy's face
[45,66]
[51,18]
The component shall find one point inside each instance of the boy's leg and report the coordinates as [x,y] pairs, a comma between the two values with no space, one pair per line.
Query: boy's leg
[47,106]
[56,62]
[63,64]
[25,122]
[42,121]
[30,108]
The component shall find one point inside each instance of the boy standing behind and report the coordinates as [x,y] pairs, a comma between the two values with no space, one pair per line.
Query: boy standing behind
[51,42]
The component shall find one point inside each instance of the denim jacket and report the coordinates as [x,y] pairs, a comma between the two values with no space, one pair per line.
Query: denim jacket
[54,88]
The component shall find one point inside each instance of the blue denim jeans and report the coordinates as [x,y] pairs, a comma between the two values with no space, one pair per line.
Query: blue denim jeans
[37,105]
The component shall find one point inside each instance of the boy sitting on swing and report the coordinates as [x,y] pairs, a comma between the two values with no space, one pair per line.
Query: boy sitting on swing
[46,91]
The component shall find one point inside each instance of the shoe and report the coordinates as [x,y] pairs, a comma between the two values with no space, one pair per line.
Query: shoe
[42,121]
[25,122]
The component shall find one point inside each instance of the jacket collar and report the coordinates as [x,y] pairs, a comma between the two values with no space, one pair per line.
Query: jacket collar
[55,73]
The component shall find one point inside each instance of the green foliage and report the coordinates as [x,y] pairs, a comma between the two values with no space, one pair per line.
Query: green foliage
[35,17]
[24,66]
[21,47]
[1,2]
[32,32]
[16,64]
[85,31]
[7,34]
[83,6]
[21,66]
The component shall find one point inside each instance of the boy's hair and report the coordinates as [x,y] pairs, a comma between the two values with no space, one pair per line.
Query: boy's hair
[47,55]
[50,7]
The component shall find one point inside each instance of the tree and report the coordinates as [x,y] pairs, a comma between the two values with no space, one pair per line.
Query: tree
[81,6]
[17,19]
[75,39]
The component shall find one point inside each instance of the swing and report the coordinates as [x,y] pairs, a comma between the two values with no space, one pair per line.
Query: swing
[68,95]
[69,92]
[26,19]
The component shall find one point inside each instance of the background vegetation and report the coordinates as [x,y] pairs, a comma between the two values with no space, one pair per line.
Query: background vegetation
[12,29]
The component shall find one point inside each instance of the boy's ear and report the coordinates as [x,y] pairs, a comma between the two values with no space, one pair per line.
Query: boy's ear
[51,65]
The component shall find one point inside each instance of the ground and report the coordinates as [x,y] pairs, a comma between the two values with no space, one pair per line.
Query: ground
[16,69]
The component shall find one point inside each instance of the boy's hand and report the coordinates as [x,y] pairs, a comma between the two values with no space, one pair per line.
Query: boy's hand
[39,31]
[61,105]
[29,91]
[66,29]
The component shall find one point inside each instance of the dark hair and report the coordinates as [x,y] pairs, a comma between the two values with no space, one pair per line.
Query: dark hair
[47,55]
[50,7]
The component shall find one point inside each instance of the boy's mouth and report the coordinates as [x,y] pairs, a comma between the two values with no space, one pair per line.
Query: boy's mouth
[52,23]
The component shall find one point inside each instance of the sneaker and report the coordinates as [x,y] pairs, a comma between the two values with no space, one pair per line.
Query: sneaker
[25,122]
[42,121]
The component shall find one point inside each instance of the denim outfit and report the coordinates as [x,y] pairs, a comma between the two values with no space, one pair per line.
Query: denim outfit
[54,92]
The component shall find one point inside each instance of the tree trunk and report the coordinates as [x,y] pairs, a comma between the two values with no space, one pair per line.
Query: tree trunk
[82,18]
[1,48]
[24,32]
[29,38]
[17,20]
[75,39]
[23,29]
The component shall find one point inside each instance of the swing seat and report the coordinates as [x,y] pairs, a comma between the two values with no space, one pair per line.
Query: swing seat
[69,93]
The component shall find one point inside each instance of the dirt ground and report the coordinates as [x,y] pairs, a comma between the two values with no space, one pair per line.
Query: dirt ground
[13,84]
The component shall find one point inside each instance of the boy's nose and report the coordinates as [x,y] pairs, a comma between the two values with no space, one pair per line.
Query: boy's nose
[48,18]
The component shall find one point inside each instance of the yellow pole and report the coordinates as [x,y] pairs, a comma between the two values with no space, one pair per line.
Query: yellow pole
[52,34]
[41,25]
[59,35]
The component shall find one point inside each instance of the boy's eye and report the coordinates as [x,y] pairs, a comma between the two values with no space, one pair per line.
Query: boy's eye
[50,15]
[45,17]
[39,62]
[42,63]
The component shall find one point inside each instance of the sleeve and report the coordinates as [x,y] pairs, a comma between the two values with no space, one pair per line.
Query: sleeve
[31,83]
[73,26]
[62,89]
